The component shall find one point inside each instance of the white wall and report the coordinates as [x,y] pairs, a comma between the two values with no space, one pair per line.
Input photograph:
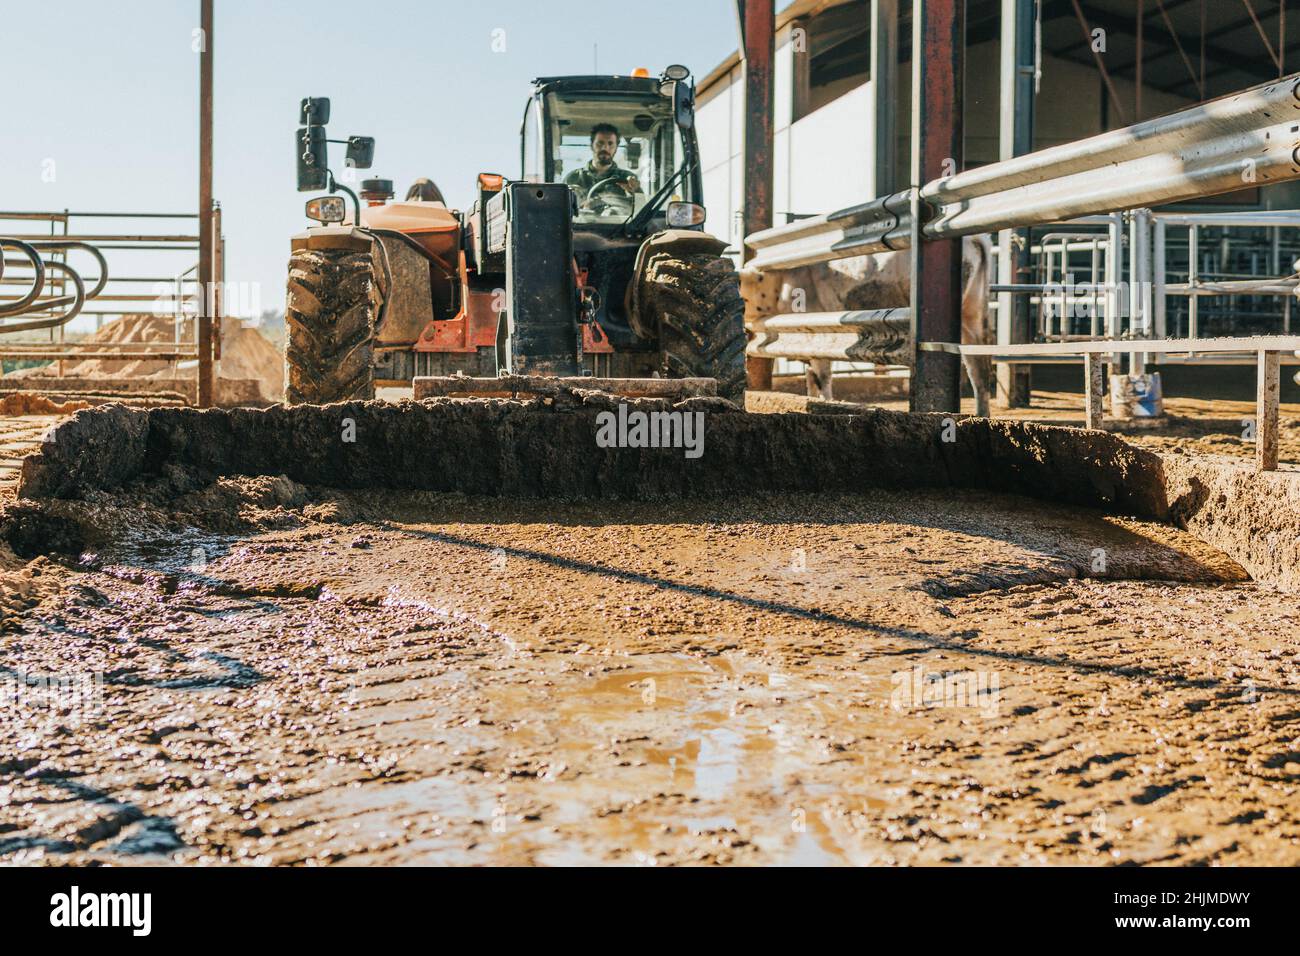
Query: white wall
[826,169]
[719,126]
[817,161]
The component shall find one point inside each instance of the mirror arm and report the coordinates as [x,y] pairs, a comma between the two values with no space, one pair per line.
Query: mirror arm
[356,202]
[648,210]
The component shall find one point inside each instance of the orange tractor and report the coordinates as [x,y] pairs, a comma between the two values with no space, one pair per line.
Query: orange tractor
[593,262]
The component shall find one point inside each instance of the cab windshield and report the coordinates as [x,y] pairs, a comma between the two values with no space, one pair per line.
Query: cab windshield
[613,172]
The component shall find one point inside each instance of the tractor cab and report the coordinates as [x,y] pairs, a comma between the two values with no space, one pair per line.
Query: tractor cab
[624,148]
[624,145]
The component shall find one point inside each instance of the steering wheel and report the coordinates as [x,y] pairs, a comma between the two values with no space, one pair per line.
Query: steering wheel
[611,184]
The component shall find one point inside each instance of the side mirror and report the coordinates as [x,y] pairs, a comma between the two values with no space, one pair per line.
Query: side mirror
[313,169]
[683,104]
[361,152]
[327,209]
[314,111]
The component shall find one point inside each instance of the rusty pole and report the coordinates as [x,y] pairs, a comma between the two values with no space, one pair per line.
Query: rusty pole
[218,285]
[758,40]
[938,38]
[206,260]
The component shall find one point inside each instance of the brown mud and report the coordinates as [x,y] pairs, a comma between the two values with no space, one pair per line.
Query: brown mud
[28,403]
[549,449]
[870,652]
[300,675]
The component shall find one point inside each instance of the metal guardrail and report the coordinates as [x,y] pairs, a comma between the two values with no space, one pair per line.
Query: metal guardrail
[1219,146]
[877,226]
[881,336]
[1215,147]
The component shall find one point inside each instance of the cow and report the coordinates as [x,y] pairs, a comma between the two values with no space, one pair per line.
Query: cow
[881,280]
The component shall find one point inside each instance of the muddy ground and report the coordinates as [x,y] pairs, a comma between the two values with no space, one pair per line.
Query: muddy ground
[1193,426]
[301,676]
[261,672]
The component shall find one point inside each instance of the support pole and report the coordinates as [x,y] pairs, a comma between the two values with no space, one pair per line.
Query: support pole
[1139,286]
[758,40]
[884,95]
[1158,304]
[1114,276]
[1193,280]
[1267,384]
[206,259]
[938,38]
[1015,138]
[219,286]
[1094,397]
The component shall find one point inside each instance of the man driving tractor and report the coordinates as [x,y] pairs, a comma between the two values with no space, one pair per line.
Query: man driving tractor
[602,169]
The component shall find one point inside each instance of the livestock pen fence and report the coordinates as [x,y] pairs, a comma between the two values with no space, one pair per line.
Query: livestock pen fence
[63,269]
[1248,258]
[1250,137]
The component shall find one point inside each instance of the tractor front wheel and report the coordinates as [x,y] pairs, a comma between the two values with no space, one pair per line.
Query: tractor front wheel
[701,316]
[330,318]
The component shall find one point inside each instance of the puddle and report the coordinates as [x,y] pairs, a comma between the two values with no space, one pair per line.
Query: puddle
[187,554]
[810,850]
[678,724]
[718,764]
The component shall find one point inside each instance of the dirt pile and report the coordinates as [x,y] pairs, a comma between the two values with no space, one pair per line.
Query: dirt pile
[533,449]
[551,450]
[29,403]
[24,583]
[245,353]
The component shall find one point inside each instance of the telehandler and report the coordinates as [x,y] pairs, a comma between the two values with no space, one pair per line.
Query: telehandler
[562,272]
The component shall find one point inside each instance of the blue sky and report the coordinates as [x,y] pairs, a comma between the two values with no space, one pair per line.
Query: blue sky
[102,115]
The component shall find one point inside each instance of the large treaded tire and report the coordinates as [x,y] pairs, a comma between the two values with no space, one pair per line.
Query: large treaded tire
[696,299]
[332,303]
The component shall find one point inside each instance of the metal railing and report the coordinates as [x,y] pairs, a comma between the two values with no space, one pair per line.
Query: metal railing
[124,289]
[1215,147]
[54,308]
[1194,289]
[1099,284]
